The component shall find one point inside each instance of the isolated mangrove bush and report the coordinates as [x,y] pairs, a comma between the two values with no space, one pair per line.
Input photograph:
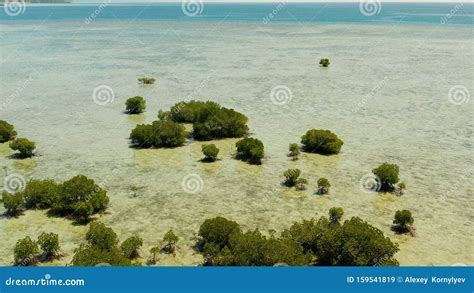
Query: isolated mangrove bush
[324,62]
[7,131]
[291,177]
[321,141]
[170,239]
[323,186]
[250,150]
[135,105]
[294,151]
[146,80]
[387,176]
[403,221]
[210,152]
[24,146]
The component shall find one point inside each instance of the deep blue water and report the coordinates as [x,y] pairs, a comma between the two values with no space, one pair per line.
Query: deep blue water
[452,13]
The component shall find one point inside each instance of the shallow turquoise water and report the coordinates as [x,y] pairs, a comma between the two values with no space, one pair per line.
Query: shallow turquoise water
[385,94]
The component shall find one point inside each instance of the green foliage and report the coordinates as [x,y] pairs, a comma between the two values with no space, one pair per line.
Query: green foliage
[101,236]
[135,105]
[324,62]
[158,134]
[89,255]
[387,175]
[49,243]
[254,249]
[294,151]
[13,203]
[170,240]
[323,186]
[25,252]
[354,243]
[250,150]
[81,198]
[24,146]
[41,194]
[321,141]
[146,80]
[291,177]
[210,152]
[7,131]
[131,246]
[335,215]
[301,184]
[209,119]
[217,231]
[154,251]
[403,220]
[100,249]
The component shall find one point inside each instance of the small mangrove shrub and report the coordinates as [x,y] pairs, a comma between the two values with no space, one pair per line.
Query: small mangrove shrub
[80,198]
[100,249]
[7,131]
[250,150]
[25,252]
[135,105]
[301,184]
[335,215]
[49,244]
[146,80]
[291,177]
[131,246]
[387,176]
[324,62]
[323,186]
[13,203]
[403,221]
[210,152]
[170,239]
[24,146]
[321,141]
[294,151]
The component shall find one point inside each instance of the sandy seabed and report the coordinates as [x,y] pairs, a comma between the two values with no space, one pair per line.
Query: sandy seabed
[385,94]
